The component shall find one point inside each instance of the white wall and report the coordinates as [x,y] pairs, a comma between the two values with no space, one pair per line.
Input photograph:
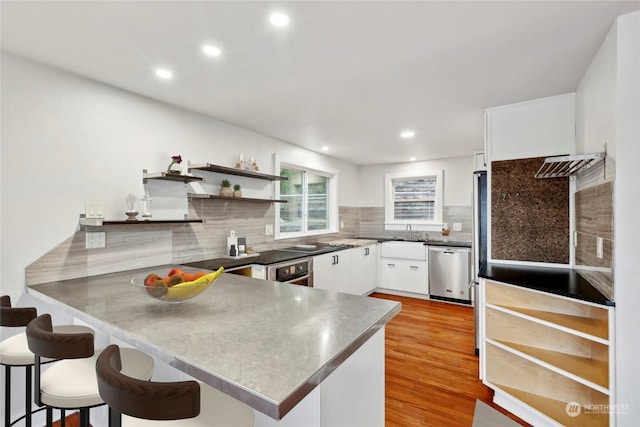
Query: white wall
[457,179]
[596,104]
[608,107]
[626,207]
[67,140]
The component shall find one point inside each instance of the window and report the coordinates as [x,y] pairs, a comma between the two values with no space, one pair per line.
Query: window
[414,199]
[311,206]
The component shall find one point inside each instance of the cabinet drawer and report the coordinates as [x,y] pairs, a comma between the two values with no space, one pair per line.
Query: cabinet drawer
[402,275]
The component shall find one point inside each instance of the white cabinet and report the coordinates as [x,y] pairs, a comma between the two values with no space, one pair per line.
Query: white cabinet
[537,128]
[332,271]
[364,270]
[403,267]
[352,271]
[404,275]
[479,162]
[547,357]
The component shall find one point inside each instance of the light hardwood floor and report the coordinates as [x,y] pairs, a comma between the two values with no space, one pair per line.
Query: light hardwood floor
[431,366]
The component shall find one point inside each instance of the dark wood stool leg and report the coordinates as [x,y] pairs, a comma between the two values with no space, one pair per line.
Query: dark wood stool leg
[27,397]
[84,417]
[7,395]
[115,418]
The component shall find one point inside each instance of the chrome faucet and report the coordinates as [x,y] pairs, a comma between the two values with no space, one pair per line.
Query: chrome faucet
[410,232]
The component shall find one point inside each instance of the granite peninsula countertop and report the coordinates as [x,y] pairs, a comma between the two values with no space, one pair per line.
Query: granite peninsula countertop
[560,281]
[265,343]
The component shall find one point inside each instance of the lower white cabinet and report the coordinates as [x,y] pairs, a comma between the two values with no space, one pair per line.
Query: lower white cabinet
[332,271]
[352,271]
[548,358]
[404,275]
[364,270]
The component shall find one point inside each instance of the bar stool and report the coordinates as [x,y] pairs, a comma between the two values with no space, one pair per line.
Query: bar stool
[71,383]
[14,352]
[135,403]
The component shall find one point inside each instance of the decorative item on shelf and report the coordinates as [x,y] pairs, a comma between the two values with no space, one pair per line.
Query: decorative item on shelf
[146,206]
[132,207]
[225,188]
[174,167]
[240,164]
[445,232]
[236,191]
[250,165]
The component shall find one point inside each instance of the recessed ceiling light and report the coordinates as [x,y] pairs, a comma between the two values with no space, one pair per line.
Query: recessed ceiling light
[211,50]
[324,148]
[279,19]
[408,134]
[164,73]
[412,159]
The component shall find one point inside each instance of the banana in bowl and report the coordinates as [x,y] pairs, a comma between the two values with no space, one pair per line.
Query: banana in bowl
[176,286]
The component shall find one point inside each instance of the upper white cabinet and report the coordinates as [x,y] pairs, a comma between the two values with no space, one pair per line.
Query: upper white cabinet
[537,128]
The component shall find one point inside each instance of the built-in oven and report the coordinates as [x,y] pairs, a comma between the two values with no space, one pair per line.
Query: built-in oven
[296,272]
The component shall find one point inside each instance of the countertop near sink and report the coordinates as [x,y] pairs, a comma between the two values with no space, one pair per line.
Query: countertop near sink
[265,343]
[451,243]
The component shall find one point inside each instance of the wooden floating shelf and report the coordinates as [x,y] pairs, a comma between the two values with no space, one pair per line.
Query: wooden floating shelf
[101,222]
[231,199]
[169,177]
[234,171]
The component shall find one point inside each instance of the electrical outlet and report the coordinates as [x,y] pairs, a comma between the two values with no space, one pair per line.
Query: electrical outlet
[341,224]
[268,230]
[96,239]
[94,210]
[599,247]
[457,226]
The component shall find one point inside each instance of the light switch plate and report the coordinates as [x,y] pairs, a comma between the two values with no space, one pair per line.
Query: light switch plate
[268,230]
[599,248]
[94,210]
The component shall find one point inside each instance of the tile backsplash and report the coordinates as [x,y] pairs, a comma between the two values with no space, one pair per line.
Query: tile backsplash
[593,221]
[131,247]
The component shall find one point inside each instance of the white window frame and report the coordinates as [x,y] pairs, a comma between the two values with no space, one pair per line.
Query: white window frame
[391,223]
[332,200]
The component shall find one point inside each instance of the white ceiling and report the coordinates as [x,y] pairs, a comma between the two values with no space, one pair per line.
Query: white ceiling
[351,75]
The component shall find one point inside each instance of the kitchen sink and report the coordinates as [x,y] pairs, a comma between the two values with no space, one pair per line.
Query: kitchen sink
[411,250]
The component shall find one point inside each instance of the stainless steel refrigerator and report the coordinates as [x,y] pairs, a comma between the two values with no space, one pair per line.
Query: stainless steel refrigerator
[479,242]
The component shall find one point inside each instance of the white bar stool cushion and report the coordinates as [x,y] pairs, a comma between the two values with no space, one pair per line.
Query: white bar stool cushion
[216,410]
[14,351]
[72,383]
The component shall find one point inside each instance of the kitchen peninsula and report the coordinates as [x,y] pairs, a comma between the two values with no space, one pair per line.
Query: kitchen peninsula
[297,355]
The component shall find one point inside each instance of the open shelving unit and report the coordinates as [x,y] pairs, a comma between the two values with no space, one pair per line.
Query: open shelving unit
[548,352]
[209,167]
[241,199]
[234,171]
[168,177]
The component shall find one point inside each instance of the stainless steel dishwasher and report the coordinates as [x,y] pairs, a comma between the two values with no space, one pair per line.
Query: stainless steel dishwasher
[449,274]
